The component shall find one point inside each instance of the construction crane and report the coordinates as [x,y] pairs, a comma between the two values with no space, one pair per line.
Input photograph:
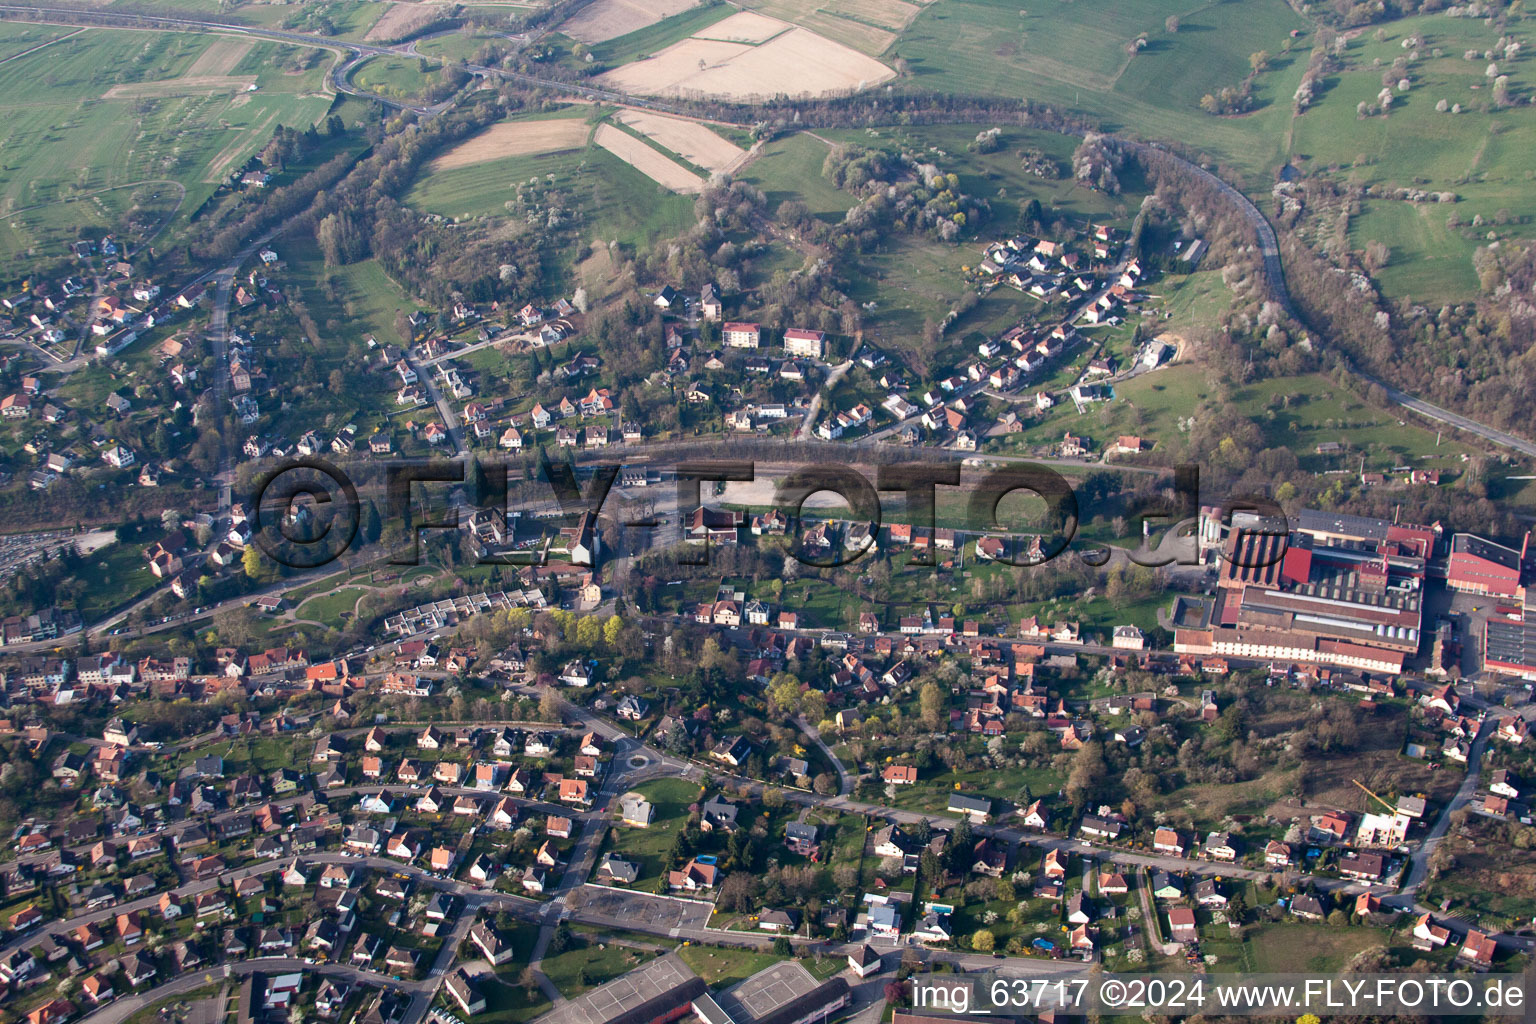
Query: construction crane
[1391,808]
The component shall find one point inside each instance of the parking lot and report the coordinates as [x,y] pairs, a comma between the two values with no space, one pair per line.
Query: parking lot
[625,909]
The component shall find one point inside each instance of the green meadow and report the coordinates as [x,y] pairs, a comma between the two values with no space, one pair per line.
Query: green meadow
[1482,153]
[68,136]
[1074,56]
[399,78]
[616,201]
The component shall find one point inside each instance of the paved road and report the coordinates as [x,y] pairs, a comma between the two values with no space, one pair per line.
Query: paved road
[445,409]
[648,762]
[357,51]
[499,339]
[809,421]
[1418,867]
[845,779]
[1274,276]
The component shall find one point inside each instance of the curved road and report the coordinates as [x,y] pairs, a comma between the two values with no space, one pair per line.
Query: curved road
[1274,275]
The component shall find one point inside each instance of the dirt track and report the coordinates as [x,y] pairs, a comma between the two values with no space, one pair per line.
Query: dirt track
[201,85]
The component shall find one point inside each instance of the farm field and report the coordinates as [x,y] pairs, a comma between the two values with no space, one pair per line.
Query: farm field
[608,19]
[605,189]
[690,140]
[515,138]
[1480,153]
[400,20]
[69,136]
[652,38]
[666,173]
[1056,55]
[869,26]
[797,62]
[744,27]
[348,19]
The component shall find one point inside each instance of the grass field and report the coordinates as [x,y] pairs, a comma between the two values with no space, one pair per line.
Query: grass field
[615,201]
[670,799]
[506,1001]
[790,168]
[590,964]
[359,296]
[118,574]
[1064,55]
[722,967]
[1294,412]
[17,38]
[455,46]
[62,143]
[400,78]
[1482,154]
[328,608]
[1305,947]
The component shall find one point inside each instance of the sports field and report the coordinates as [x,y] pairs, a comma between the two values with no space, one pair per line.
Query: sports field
[113,110]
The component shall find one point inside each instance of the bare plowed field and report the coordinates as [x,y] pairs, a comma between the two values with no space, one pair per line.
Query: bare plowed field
[745,27]
[688,139]
[647,161]
[793,63]
[515,138]
[603,20]
[221,58]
